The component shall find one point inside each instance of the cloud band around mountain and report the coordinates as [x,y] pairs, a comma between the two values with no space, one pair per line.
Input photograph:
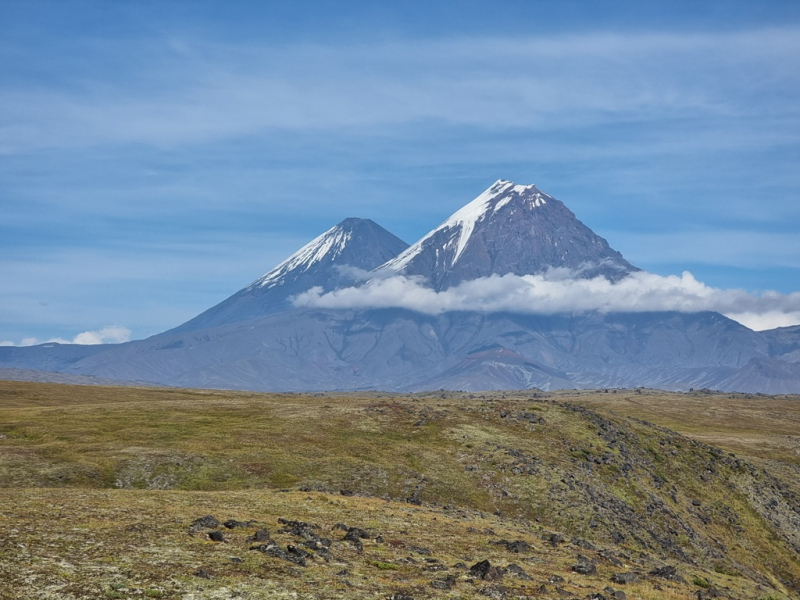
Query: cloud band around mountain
[558,292]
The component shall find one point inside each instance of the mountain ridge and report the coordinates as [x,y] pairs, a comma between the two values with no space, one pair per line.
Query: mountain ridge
[258,339]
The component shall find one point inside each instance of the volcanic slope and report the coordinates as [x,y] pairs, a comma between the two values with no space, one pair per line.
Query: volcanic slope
[332,260]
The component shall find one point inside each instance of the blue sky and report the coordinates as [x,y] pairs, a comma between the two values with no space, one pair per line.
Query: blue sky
[155,157]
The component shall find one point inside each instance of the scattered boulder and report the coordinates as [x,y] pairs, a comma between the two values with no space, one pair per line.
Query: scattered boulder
[555,539]
[295,551]
[611,558]
[446,583]
[585,566]
[216,536]
[322,551]
[517,547]
[420,550]
[261,535]
[202,573]
[272,549]
[498,592]
[357,544]
[669,573]
[354,533]
[518,571]
[299,529]
[340,526]
[233,523]
[486,571]
[623,578]
[207,522]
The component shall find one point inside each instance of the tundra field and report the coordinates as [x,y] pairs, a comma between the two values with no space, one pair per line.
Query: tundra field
[126,492]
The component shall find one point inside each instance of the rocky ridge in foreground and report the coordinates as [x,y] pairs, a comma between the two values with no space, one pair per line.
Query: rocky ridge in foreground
[378,495]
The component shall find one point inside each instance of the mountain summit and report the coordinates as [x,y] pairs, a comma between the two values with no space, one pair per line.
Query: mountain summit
[509,228]
[332,260]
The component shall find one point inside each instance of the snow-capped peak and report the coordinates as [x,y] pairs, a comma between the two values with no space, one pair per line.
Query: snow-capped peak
[329,244]
[463,221]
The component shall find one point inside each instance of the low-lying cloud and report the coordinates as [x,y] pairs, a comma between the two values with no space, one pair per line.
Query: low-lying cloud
[112,334]
[556,292]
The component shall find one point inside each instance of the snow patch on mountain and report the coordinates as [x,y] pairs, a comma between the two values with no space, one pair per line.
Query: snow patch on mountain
[331,243]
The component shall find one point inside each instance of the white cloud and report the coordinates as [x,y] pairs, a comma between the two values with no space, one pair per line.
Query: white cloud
[552,293]
[769,320]
[112,334]
[107,335]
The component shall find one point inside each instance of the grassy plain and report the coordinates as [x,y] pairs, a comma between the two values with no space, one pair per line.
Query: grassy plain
[99,486]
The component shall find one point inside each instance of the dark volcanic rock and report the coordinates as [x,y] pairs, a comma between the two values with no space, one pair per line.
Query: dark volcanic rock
[518,571]
[446,583]
[585,567]
[261,535]
[497,592]
[517,547]
[207,522]
[303,530]
[667,572]
[486,571]
[623,578]
[272,549]
[233,523]
[216,536]
[354,533]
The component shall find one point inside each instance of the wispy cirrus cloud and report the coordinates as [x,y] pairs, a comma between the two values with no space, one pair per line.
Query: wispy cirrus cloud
[544,81]
[558,292]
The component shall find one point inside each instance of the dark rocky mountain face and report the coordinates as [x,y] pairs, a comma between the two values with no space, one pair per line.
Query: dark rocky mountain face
[509,228]
[330,261]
